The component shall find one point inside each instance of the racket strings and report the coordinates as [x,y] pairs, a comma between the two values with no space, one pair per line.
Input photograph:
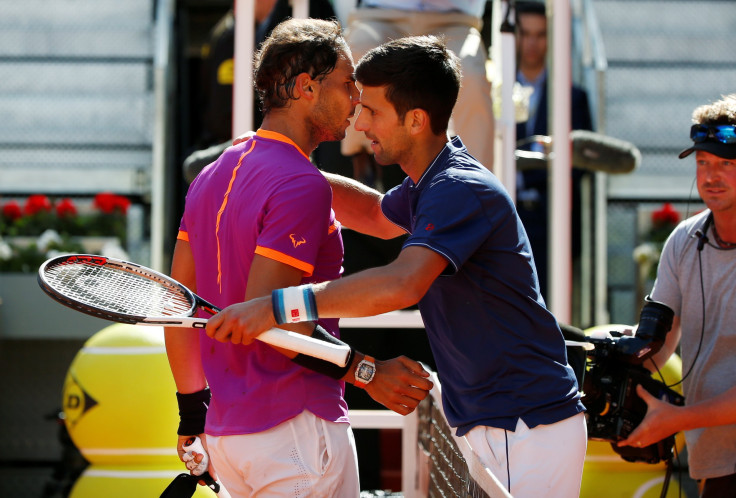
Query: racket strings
[119,291]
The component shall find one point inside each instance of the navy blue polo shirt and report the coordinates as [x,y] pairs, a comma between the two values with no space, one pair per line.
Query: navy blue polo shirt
[499,352]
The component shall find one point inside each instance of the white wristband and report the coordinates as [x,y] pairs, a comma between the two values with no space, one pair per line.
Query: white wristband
[294,304]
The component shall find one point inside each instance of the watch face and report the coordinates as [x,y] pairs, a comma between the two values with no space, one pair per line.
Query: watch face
[365,371]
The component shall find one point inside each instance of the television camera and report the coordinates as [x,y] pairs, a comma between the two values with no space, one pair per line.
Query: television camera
[613,370]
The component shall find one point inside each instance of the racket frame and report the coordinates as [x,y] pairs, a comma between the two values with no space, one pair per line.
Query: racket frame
[276,337]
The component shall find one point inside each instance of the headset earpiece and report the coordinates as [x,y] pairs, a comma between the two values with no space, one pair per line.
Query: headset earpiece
[701,233]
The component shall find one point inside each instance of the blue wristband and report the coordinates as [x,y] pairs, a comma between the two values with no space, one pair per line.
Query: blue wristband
[294,304]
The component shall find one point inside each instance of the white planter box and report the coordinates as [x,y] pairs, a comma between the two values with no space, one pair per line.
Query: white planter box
[91,245]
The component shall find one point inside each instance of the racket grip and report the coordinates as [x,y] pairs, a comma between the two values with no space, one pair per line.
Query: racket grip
[201,470]
[195,445]
[306,345]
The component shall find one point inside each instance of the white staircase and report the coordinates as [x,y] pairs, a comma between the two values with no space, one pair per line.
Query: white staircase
[665,57]
[76,96]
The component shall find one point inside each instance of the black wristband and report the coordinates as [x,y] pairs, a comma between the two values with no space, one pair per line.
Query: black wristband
[322,366]
[193,411]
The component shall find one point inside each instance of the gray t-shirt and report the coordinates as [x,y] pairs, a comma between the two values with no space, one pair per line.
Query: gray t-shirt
[683,272]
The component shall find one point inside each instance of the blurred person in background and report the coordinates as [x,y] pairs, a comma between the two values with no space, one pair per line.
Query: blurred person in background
[532,188]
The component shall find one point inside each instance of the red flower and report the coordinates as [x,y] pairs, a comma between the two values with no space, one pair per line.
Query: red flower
[108,203]
[665,216]
[12,211]
[122,203]
[66,208]
[104,202]
[37,203]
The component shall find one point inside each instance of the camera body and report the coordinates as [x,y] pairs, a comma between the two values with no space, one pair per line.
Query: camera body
[613,370]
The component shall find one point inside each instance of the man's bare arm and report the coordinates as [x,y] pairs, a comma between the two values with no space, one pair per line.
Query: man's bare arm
[358,207]
[182,345]
[664,419]
[398,285]
[395,286]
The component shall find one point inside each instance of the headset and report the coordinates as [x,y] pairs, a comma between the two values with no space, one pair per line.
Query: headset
[701,235]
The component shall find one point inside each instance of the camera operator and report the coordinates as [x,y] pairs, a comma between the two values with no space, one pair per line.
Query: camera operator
[696,279]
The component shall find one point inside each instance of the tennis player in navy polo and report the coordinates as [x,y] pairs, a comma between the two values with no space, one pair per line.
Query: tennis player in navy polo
[506,383]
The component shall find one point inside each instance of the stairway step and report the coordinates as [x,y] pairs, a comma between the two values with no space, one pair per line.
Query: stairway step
[77,119]
[70,169]
[674,81]
[30,14]
[683,18]
[653,121]
[84,77]
[656,47]
[94,41]
[650,30]
[662,175]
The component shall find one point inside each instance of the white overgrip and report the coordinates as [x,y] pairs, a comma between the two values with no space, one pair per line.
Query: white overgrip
[293,341]
[286,339]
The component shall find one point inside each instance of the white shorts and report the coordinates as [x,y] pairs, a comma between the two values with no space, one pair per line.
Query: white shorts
[302,457]
[544,461]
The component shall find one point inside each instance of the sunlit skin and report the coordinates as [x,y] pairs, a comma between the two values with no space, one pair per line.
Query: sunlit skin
[336,102]
[378,119]
[531,44]
[716,178]
[321,109]
[407,141]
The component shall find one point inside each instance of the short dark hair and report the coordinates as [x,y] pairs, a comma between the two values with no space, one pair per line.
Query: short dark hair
[295,46]
[529,7]
[419,72]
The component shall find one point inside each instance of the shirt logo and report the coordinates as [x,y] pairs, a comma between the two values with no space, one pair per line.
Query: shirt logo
[429,227]
[296,242]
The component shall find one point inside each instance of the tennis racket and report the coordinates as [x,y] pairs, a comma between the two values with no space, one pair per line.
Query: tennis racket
[125,292]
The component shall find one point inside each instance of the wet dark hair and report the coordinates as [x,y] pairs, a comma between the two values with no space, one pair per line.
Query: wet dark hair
[295,46]
[419,72]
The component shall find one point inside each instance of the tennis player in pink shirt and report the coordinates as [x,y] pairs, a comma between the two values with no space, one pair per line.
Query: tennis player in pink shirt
[259,218]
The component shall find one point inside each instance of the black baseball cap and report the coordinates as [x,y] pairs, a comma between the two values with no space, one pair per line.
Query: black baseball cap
[726,151]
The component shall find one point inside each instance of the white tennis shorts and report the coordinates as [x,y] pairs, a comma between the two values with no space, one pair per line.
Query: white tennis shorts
[544,461]
[302,457]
